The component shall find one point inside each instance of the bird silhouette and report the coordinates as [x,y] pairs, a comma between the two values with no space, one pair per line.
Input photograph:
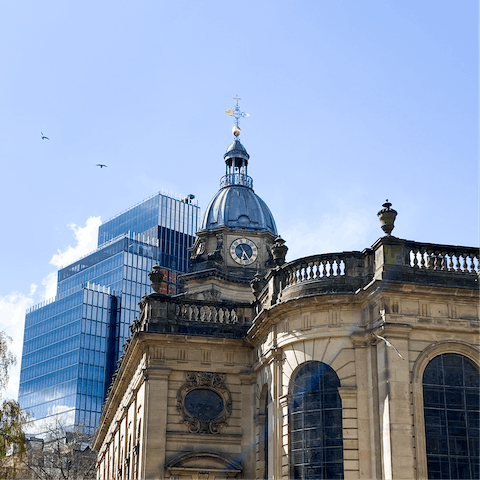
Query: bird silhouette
[101,165]
[44,137]
[388,344]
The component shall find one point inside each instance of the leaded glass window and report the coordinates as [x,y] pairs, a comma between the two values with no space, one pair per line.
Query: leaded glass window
[451,409]
[315,424]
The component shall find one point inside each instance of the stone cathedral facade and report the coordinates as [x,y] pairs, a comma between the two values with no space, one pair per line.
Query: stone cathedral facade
[355,365]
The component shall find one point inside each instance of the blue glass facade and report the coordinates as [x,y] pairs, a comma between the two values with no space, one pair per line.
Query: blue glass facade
[71,345]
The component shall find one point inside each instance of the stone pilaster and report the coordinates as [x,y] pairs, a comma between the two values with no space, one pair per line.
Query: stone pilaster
[395,408]
[350,432]
[156,378]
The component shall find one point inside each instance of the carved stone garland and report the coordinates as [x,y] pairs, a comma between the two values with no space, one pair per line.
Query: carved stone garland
[197,410]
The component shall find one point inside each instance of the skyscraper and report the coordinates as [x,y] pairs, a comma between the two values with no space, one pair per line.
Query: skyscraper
[71,345]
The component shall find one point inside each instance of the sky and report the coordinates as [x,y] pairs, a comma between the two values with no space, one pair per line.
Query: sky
[351,103]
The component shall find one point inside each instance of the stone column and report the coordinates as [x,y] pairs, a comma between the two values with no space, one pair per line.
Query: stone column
[156,398]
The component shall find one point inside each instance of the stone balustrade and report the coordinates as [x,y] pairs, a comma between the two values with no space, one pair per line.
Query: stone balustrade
[161,313]
[323,267]
[206,313]
[446,258]
[390,259]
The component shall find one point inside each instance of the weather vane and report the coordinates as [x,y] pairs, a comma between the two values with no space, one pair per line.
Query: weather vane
[237,114]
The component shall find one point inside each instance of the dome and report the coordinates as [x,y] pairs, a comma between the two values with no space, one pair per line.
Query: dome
[236,150]
[238,207]
[236,145]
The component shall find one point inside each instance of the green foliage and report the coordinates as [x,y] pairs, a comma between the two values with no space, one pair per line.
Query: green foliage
[7,359]
[12,418]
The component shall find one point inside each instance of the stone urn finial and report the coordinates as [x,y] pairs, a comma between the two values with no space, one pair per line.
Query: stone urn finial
[257,284]
[156,278]
[387,217]
[279,251]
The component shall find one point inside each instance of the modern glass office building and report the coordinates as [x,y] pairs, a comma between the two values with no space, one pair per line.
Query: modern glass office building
[72,344]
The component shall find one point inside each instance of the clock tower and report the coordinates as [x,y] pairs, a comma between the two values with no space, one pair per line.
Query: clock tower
[236,235]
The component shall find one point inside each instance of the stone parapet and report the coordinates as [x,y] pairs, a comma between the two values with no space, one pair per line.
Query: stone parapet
[390,259]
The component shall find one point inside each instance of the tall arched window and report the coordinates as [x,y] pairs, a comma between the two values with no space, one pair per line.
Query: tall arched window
[451,409]
[315,423]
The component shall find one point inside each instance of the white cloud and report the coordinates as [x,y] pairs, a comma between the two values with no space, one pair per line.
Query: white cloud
[86,238]
[14,305]
[50,285]
[12,314]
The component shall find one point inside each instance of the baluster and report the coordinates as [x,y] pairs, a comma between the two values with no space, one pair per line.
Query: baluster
[323,263]
[443,263]
[422,259]
[464,263]
[296,274]
[455,262]
[448,262]
[317,269]
[227,316]
[336,267]
[467,262]
[234,316]
[328,268]
[415,258]
[310,271]
[291,279]
[333,267]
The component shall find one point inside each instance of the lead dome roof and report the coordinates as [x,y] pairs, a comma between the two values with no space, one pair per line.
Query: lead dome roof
[238,207]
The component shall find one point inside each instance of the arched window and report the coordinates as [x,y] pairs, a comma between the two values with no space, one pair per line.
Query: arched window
[315,423]
[451,410]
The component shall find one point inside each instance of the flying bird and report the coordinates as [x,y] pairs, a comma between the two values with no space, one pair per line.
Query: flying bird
[101,165]
[388,344]
[44,137]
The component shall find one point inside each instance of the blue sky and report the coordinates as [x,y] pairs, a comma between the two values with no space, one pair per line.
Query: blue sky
[351,102]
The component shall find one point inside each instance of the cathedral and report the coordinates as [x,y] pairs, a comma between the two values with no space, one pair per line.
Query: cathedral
[350,365]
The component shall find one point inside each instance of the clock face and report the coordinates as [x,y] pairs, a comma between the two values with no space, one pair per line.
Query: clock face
[244,251]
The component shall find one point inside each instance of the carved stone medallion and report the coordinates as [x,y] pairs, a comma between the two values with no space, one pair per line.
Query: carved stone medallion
[204,402]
